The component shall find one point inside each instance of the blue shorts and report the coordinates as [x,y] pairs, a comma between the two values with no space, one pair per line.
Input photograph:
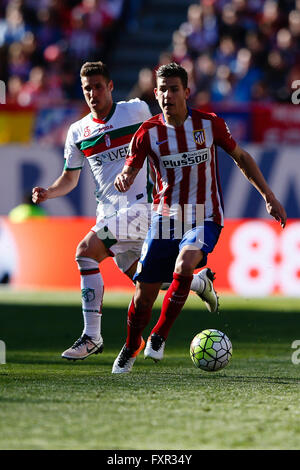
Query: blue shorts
[163,244]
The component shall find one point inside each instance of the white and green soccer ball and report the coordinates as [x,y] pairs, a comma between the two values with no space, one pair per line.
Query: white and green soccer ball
[211,350]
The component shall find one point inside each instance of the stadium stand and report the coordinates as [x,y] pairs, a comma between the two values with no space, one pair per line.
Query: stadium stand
[43,44]
[235,51]
[238,51]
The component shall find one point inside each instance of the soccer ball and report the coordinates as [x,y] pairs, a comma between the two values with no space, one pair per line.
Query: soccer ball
[211,350]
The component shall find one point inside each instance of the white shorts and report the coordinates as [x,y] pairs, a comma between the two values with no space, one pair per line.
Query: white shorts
[123,234]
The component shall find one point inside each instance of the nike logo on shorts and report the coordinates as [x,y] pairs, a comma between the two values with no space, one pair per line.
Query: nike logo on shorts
[162,142]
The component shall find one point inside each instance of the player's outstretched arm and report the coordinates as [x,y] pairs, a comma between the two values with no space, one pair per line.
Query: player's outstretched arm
[125,179]
[62,186]
[252,172]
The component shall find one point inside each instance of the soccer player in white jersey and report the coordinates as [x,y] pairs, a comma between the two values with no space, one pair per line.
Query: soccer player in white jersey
[180,144]
[102,138]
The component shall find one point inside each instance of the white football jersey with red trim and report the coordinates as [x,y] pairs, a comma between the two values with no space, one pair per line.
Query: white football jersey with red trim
[104,144]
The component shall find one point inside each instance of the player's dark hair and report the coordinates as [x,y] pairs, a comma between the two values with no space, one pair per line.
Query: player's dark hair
[95,68]
[173,70]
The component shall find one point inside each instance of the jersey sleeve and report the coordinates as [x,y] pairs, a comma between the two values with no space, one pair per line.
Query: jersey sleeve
[222,135]
[138,149]
[74,158]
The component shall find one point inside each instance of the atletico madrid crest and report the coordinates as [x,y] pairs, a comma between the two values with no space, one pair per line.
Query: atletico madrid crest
[199,137]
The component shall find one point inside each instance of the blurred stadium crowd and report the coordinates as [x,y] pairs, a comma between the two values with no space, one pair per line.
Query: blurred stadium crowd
[235,51]
[44,43]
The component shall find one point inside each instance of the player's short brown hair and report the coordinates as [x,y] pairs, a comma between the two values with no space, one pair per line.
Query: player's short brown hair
[95,68]
[173,70]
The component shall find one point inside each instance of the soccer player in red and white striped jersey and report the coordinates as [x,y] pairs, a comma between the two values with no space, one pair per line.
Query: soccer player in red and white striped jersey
[181,145]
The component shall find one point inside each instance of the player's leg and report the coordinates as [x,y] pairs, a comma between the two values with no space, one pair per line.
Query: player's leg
[193,250]
[202,285]
[201,282]
[131,271]
[102,241]
[126,260]
[90,252]
[148,277]
[197,284]
[174,301]
[205,238]
[140,310]
[127,251]
[139,314]
[204,279]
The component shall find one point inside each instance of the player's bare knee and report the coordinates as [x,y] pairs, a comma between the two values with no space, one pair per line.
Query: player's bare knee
[92,247]
[184,267]
[187,261]
[82,250]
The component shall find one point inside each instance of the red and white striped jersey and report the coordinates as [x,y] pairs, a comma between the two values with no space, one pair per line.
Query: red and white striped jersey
[184,160]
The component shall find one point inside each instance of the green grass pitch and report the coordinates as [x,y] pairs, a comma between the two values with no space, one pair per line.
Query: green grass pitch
[49,403]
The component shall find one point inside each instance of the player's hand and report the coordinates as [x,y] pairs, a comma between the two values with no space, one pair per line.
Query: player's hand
[275,209]
[123,182]
[39,195]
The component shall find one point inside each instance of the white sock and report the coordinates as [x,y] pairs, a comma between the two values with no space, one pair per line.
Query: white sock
[92,289]
[92,324]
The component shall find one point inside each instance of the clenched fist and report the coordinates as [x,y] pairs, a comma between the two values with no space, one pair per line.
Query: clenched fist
[125,179]
[39,195]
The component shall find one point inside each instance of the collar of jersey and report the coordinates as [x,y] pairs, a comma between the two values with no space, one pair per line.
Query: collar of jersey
[164,120]
[107,118]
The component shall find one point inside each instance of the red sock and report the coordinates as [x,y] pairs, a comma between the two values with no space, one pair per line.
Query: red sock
[136,323]
[173,303]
